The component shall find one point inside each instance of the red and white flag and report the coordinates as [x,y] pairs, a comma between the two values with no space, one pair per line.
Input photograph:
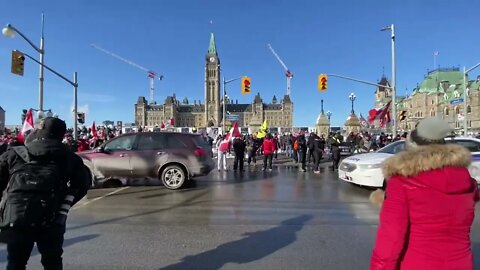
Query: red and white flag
[363,122]
[162,125]
[94,131]
[233,133]
[27,127]
[382,114]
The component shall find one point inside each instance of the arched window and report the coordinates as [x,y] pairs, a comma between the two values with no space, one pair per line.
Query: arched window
[457,110]
[432,113]
[447,111]
[469,109]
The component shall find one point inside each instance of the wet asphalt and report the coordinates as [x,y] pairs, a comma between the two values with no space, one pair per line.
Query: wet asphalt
[283,219]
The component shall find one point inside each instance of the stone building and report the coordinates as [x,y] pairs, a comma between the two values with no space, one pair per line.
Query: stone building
[209,113]
[439,94]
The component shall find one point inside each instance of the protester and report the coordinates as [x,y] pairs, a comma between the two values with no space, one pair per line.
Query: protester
[302,151]
[429,207]
[223,146]
[47,178]
[239,150]
[268,148]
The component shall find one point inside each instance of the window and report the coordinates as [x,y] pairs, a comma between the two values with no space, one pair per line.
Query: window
[151,141]
[469,109]
[471,145]
[120,144]
[457,110]
[447,111]
[393,148]
[174,142]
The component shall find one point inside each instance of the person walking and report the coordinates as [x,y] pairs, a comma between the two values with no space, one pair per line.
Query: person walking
[335,150]
[310,147]
[318,148]
[302,151]
[223,146]
[40,181]
[239,150]
[268,147]
[429,207]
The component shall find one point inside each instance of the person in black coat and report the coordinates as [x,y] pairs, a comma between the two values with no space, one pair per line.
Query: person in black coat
[239,150]
[318,148]
[43,145]
[335,142]
[302,151]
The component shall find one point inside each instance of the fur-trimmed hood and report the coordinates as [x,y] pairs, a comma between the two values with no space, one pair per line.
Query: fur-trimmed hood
[424,164]
[426,158]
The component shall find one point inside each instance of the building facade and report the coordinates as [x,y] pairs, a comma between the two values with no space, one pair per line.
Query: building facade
[439,94]
[210,112]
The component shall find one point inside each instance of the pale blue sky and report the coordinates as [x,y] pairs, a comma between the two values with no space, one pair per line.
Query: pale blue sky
[171,37]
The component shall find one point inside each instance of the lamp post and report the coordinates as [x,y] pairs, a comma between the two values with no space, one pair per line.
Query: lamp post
[225,100]
[465,74]
[352,98]
[329,114]
[9,31]
[391,28]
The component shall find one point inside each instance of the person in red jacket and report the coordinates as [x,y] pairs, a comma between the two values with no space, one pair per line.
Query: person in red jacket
[429,204]
[268,148]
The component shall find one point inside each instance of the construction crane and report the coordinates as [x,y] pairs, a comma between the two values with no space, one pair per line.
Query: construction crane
[288,73]
[152,75]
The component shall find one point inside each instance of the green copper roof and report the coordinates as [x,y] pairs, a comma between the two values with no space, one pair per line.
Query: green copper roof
[434,79]
[212,48]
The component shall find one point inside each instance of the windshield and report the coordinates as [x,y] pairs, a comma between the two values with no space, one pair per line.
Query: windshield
[393,148]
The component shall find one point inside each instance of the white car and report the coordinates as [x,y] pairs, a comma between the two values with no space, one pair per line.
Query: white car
[366,169]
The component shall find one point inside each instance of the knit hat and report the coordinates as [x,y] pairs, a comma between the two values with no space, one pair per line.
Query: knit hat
[431,130]
[51,128]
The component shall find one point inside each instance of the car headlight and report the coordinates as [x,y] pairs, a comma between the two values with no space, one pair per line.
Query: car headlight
[370,166]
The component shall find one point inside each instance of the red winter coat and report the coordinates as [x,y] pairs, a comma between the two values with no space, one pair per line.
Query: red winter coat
[268,147]
[428,210]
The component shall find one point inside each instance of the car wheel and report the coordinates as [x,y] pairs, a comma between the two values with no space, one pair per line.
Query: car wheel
[173,177]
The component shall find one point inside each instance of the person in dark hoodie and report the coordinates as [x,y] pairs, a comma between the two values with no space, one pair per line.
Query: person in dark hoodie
[429,207]
[25,173]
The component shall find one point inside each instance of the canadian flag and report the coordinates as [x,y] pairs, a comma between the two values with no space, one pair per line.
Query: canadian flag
[172,122]
[27,126]
[162,125]
[363,122]
[94,131]
[382,114]
[233,133]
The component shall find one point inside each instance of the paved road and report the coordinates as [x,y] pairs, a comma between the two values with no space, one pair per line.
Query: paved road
[275,220]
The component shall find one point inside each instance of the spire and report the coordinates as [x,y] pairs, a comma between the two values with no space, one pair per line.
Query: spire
[212,48]
[322,107]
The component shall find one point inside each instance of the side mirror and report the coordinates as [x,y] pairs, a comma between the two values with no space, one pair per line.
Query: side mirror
[100,149]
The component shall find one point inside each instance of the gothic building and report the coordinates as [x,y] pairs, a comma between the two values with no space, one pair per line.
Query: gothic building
[210,112]
[440,94]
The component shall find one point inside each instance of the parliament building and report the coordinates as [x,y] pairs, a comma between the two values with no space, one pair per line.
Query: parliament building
[209,113]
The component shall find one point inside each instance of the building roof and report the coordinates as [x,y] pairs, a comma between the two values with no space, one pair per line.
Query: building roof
[239,107]
[191,108]
[212,48]
[1,109]
[141,100]
[383,81]
[273,107]
[437,78]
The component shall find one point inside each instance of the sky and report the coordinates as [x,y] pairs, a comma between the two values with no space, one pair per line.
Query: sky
[171,37]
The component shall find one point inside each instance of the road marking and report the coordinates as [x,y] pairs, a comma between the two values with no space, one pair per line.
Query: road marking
[99,198]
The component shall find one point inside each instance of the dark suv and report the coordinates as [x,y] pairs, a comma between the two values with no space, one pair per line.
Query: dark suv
[171,157]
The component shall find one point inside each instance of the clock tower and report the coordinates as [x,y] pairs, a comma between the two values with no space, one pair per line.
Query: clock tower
[212,86]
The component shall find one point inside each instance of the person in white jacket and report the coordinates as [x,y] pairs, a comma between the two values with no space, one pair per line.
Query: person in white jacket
[222,150]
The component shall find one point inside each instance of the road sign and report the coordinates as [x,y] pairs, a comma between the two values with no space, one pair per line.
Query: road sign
[233,117]
[456,101]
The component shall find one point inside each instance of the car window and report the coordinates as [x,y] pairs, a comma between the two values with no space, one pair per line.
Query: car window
[152,141]
[174,142]
[121,143]
[471,145]
[393,148]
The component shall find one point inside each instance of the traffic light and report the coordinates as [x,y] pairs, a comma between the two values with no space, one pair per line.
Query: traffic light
[81,118]
[402,116]
[322,82]
[18,60]
[245,85]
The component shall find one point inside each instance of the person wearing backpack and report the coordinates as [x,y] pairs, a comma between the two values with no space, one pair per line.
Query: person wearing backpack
[40,182]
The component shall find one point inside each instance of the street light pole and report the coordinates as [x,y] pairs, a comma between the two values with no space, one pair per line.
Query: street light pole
[9,31]
[224,100]
[465,74]
[42,61]
[352,98]
[394,93]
